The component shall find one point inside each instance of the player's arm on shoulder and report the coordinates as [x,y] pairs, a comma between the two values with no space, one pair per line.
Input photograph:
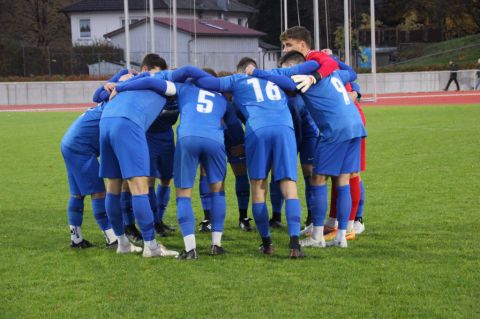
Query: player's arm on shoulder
[188,71]
[155,84]
[284,82]
[117,76]
[347,76]
[327,63]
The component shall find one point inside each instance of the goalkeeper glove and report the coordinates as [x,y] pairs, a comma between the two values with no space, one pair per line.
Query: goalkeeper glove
[304,82]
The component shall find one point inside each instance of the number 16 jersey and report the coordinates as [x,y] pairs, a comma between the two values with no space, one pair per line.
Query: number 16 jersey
[261,102]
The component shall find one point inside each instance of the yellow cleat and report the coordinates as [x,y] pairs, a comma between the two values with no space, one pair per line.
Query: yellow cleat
[331,234]
[350,235]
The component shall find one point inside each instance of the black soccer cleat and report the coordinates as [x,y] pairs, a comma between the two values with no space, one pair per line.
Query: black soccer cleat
[216,250]
[82,245]
[275,223]
[244,224]
[267,249]
[205,226]
[112,245]
[188,255]
[296,253]
[168,228]
[133,234]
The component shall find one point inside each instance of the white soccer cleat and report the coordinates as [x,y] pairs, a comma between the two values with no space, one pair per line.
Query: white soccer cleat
[127,249]
[307,231]
[358,227]
[337,243]
[159,251]
[310,242]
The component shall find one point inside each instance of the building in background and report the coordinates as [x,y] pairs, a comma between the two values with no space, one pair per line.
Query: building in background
[214,43]
[91,19]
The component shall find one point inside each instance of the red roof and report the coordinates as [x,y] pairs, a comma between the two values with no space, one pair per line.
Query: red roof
[202,27]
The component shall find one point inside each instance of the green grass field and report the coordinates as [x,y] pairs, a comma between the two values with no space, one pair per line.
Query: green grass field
[419,256]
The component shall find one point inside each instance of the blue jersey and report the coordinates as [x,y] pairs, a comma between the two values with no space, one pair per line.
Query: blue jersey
[309,128]
[331,108]
[261,102]
[83,135]
[201,112]
[167,118]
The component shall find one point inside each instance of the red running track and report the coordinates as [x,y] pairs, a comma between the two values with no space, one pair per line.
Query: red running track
[394,99]
[424,98]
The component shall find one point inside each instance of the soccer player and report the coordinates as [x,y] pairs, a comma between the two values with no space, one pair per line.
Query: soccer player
[235,149]
[124,150]
[161,146]
[299,39]
[337,152]
[200,140]
[307,136]
[80,149]
[269,139]
[356,185]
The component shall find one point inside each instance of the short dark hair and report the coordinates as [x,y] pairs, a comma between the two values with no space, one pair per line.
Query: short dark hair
[153,60]
[292,56]
[210,71]
[244,62]
[297,33]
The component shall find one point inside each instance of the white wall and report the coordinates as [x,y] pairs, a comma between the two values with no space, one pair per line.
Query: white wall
[105,22]
[30,93]
[219,53]
[82,91]
[409,82]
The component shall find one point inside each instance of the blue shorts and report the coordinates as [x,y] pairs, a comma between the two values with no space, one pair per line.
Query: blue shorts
[333,159]
[161,146]
[307,149]
[82,172]
[273,145]
[192,150]
[123,149]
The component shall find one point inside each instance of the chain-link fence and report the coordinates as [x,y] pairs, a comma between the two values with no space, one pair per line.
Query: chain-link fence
[28,61]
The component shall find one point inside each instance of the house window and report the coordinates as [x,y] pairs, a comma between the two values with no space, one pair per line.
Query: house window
[239,21]
[85,28]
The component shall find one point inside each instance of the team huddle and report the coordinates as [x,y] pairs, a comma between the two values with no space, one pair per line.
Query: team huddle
[259,121]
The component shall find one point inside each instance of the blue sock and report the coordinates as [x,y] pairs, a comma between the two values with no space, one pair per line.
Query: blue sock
[100,214]
[205,195]
[126,207]
[344,206]
[114,213]
[319,198]
[242,189]
[185,217]
[143,215]
[152,199]
[362,201]
[218,212]
[293,213]
[276,197]
[163,197]
[75,211]
[308,193]
[260,214]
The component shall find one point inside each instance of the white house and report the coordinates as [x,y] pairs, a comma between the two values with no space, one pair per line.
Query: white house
[214,43]
[91,19]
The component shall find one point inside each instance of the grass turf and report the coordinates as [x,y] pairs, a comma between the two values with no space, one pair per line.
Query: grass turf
[418,258]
